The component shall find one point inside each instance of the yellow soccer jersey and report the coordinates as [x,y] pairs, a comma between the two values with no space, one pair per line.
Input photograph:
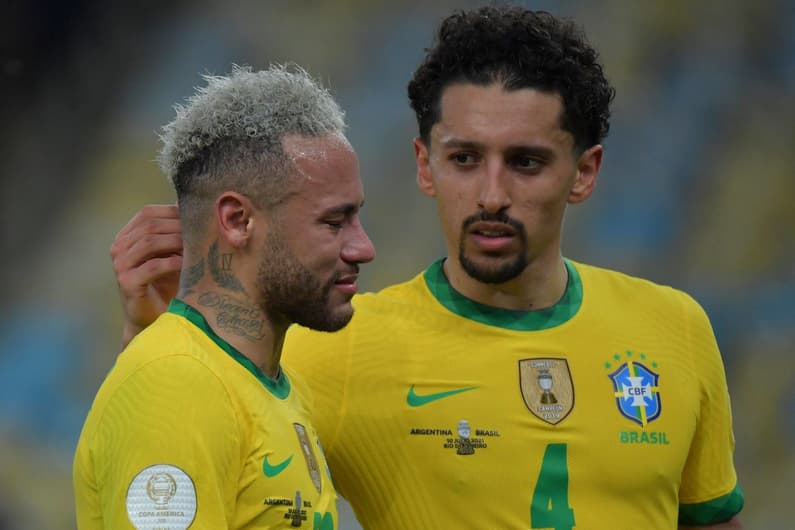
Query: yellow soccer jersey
[607,411]
[186,432]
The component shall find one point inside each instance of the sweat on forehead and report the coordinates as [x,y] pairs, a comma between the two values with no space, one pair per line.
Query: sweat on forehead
[304,152]
[308,147]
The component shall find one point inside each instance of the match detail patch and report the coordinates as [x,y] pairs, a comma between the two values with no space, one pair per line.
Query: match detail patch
[161,497]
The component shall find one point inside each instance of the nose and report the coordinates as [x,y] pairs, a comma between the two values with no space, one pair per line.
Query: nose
[494,194]
[358,248]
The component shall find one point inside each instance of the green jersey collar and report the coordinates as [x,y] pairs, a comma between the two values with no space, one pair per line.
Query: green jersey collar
[561,312]
[280,387]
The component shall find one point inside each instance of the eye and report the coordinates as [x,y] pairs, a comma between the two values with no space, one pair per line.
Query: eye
[526,162]
[336,224]
[464,158]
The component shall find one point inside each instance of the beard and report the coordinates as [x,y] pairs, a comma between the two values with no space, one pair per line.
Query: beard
[289,291]
[505,269]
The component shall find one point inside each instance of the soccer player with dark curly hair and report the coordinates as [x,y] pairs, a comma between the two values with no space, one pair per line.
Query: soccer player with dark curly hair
[506,386]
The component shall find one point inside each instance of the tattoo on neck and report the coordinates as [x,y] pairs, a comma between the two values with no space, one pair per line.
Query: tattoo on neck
[191,277]
[235,316]
[221,270]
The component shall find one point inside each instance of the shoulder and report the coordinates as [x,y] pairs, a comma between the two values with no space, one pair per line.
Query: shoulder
[172,344]
[166,362]
[169,335]
[411,292]
[634,292]
[172,400]
[601,278]
[378,318]
[370,310]
[404,300]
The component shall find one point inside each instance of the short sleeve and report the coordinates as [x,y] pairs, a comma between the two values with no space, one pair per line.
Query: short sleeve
[709,492]
[157,444]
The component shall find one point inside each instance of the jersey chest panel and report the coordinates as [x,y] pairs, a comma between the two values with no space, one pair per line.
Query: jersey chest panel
[285,481]
[477,418]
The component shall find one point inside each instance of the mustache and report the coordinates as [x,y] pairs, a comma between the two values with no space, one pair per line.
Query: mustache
[353,268]
[499,217]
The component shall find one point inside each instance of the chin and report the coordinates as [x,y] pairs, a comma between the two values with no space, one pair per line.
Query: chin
[335,319]
[343,315]
[493,270]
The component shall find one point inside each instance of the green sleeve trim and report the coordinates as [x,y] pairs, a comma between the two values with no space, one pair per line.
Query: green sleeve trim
[713,512]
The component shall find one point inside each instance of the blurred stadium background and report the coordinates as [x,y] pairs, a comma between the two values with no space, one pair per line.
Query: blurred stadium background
[697,189]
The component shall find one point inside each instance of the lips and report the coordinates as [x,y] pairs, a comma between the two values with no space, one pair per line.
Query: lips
[492,229]
[347,283]
[492,236]
[347,279]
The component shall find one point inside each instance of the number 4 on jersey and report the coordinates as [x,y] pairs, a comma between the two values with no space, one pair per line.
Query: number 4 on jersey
[324,522]
[550,507]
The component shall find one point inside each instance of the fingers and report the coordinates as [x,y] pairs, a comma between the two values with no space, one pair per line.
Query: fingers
[146,247]
[149,214]
[158,267]
[136,279]
[154,232]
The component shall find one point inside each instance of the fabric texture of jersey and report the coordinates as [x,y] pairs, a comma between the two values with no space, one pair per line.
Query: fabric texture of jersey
[609,410]
[186,432]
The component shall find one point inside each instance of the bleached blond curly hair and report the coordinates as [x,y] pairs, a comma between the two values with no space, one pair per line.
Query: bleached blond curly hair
[228,135]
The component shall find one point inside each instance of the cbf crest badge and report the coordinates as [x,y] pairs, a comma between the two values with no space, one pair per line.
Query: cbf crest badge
[637,392]
[547,388]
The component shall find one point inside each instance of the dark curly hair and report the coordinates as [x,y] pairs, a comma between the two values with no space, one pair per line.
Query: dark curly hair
[520,49]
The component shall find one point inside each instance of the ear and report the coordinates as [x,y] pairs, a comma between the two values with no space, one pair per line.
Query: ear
[423,157]
[587,170]
[234,214]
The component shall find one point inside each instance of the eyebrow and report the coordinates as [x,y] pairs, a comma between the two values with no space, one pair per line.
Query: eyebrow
[344,209]
[537,150]
[456,143]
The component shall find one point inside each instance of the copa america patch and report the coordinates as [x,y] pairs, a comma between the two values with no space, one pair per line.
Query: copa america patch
[161,497]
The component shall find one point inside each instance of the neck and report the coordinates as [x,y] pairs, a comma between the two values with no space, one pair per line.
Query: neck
[539,286]
[242,324]
[212,282]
